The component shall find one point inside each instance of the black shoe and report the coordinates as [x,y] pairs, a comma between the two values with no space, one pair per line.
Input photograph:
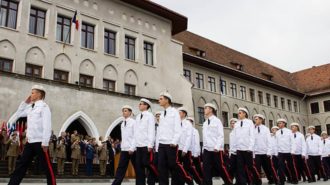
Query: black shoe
[294,182]
[325,179]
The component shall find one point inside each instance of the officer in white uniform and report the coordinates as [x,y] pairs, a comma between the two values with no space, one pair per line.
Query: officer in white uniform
[244,137]
[284,144]
[262,149]
[274,148]
[169,132]
[213,146]
[38,132]
[232,149]
[144,139]
[326,154]
[314,152]
[127,145]
[298,152]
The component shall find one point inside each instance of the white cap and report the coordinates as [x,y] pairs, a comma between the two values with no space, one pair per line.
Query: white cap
[158,112]
[166,94]
[281,120]
[294,124]
[233,119]
[313,127]
[190,119]
[211,105]
[146,101]
[275,127]
[324,132]
[259,116]
[183,109]
[127,107]
[244,110]
[38,87]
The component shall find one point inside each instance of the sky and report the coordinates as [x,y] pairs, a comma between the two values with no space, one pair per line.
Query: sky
[289,34]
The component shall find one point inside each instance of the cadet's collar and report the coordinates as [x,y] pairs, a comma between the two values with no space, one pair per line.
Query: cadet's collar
[144,111]
[168,108]
[39,102]
[211,117]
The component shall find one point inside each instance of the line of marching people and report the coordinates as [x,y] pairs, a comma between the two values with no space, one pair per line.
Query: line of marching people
[169,142]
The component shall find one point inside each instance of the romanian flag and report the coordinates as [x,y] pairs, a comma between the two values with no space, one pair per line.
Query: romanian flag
[75,20]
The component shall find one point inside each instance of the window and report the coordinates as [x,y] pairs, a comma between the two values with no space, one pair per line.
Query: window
[200,111]
[243,92]
[37,21]
[212,84]
[282,103]
[318,129]
[233,89]
[235,115]
[271,124]
[225,119]
[289,105]
[252,95]
[275,101]
[129,89]
[6,65]
[109,85]
[295,106]
[326,105]
[8,13]
[200,80]
[315,108]
[268,99]
[109,42]
[223,86]
[187,74]
[61,76]
[87,36]
[260,97]
[63,29]
[328,128]
[129,48]
[86,80]
[33,70]
[148,53]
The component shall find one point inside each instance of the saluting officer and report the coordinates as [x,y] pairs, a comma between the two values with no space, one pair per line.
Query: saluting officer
[262,149]
[144,139]
[60,155]
[38,132]
[213,146]
[244,137]
[12,152]
[127,145]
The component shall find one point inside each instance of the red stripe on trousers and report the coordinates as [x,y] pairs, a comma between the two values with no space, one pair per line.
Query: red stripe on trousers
[273,169]
[294,166]
[50,168]
[151,164]
[224,168]
[307,168]
[187,177]
[255,170]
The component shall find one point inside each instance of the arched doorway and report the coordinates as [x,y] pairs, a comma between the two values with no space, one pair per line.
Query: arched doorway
[76,125]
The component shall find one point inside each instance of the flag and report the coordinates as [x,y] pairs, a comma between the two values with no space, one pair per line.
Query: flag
[75,20]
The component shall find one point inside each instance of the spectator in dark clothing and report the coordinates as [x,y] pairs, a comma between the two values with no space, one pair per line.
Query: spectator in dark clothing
[90,151]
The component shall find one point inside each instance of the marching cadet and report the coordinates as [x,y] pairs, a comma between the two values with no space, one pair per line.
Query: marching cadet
[127,145]
[38,132]
[169,131]
[314,152]
[103,156]
[244,142]
[326,154]
[284,145]
[262,149]
[12,152]
[144,139]
[75,155]
[298,152]
[61,155]
[232,149]
[213,145]
[274,147]
[195,149]
[185,143]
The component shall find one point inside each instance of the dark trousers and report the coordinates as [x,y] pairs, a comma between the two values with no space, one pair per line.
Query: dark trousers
[197,163]
[125,157]
[31,150]
[152,179]
[189,166]
[168,161]
[266,163]
[89,167]
[246,170]
[233,165]
[326,166]
[314,164]
[285,163]
[302,168]
[144,161]
[214,161]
